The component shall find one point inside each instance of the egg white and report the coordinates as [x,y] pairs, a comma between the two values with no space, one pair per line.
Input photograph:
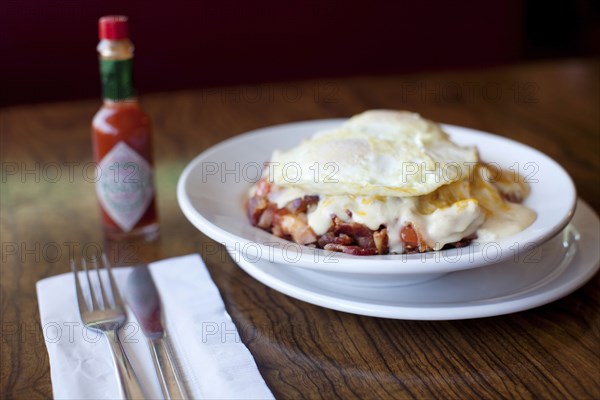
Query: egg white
[376,153]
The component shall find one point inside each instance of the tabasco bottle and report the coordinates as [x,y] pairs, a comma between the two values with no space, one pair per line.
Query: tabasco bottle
[122,142]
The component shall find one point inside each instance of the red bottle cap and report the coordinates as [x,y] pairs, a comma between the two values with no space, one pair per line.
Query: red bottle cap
[113,27]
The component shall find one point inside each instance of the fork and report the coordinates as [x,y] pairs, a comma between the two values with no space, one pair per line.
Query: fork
[107,317]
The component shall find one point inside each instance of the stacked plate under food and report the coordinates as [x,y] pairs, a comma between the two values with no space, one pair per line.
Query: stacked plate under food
[549,259]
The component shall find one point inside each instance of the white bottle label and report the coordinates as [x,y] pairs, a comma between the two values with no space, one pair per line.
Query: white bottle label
[125,186]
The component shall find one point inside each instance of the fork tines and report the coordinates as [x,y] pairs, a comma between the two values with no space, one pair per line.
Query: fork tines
[102,300]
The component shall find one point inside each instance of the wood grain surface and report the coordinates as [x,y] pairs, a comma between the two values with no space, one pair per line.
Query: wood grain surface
[304,351]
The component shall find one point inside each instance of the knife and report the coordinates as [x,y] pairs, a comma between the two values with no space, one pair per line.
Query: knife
[144,301]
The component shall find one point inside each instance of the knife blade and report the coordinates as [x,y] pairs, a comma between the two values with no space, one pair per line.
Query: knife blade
[144,300]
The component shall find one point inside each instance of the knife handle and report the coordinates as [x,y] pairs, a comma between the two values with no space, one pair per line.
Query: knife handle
[171,381]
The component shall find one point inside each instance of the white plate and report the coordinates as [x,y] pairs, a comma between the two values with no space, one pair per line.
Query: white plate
[212,187]
[539,276]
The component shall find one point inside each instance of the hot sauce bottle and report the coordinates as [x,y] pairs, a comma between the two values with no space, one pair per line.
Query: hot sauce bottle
[122,141]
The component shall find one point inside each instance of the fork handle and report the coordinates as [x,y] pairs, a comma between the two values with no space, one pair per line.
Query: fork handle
[128,380]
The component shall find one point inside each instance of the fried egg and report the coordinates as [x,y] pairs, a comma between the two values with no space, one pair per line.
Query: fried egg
[376,153]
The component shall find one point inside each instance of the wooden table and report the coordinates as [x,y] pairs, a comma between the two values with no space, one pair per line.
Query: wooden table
[304,351]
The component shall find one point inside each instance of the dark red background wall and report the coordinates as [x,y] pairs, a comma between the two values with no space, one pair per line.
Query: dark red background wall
[48,48]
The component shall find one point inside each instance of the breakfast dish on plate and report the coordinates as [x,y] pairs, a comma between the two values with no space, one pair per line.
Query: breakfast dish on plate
[386,182]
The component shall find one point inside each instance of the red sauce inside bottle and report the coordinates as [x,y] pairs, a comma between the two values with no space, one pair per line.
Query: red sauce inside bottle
[124,122]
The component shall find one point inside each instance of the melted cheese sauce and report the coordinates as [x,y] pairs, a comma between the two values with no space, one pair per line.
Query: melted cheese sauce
[438,228]
[514,218]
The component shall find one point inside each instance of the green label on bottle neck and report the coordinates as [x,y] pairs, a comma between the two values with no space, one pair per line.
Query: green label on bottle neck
[117,79]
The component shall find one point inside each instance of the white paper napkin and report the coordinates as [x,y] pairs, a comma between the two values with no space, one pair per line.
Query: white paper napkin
[215,362]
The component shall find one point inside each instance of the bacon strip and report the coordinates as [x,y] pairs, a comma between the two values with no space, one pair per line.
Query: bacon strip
[354,250]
